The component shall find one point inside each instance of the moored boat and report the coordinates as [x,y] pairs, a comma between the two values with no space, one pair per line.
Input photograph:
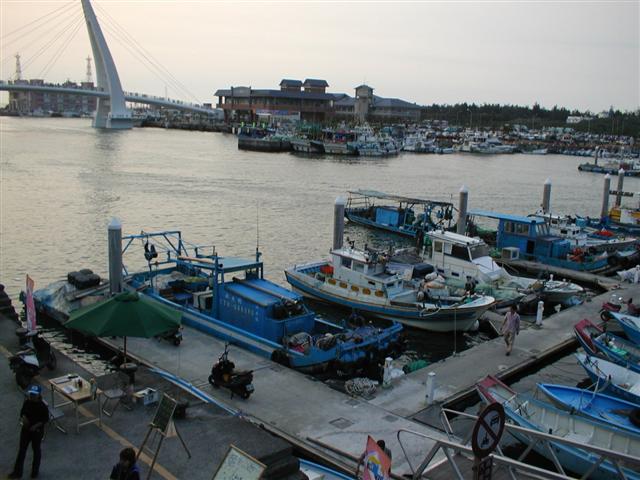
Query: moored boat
[460,258]
[359,279]
[618,350]
[594,405]
[406,216]
[228,297]
[611,377]
[585,332]
[533,414]
[630,325]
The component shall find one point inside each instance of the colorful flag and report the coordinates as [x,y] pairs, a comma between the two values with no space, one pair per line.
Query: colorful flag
[31,308]
[377,464]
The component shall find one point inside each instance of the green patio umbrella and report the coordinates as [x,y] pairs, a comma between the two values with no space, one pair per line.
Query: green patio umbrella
[126,314]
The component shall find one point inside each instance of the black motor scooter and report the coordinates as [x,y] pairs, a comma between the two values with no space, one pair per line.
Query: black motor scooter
[223,374]
[27,363]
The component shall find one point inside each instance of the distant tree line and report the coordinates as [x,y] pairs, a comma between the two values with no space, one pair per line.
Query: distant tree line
[497,116]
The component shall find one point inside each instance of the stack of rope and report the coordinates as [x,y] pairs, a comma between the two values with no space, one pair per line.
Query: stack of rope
[362,387]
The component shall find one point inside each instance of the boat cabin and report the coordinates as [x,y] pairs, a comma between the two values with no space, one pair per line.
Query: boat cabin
[530,235]
[459,256]
[364,269]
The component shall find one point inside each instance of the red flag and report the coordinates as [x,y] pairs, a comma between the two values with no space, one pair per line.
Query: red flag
[377,464]
[31,308]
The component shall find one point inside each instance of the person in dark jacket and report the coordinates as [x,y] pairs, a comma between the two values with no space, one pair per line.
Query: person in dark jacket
[126,468]
[33,416]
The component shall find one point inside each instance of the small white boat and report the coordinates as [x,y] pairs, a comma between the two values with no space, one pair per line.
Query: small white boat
[459,258]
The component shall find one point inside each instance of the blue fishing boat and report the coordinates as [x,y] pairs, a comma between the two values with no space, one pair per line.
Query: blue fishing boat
[533,414]
[228,297]
[534,241]
[612,378]
[630,325]
[597,406]
[405,216]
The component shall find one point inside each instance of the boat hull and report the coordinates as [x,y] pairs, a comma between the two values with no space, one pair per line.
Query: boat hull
[442,320]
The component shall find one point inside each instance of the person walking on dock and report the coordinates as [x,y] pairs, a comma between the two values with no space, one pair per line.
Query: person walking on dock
[33,416]
[510,327]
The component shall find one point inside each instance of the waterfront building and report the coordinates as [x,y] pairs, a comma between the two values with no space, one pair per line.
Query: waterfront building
[309,101]
[295,100]
[40,103]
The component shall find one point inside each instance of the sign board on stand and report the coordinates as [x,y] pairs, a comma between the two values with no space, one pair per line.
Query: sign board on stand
[162,424]
[239,465]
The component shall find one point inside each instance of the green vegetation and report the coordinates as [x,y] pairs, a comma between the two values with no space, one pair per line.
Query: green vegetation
[497,116]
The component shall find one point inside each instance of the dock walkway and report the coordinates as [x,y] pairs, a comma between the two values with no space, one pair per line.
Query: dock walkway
[457,375]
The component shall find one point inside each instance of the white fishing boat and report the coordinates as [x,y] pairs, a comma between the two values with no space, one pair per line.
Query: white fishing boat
[361,280]
[459,258]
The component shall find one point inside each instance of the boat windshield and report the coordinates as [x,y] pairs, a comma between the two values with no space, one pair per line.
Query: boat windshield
[477,251]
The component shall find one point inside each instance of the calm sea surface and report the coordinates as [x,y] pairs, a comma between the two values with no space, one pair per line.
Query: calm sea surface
[62,181]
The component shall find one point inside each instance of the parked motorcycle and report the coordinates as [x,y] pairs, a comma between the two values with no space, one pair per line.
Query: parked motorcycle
[224,374]
[27,363]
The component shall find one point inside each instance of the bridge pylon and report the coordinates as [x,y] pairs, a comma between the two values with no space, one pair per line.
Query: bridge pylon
[112,112]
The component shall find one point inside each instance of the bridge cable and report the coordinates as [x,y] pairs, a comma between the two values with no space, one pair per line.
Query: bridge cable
[62,10]
[146,54]
[39,38]
[136,55]
[69,25]
[47,68]
[123,36]
[150,66]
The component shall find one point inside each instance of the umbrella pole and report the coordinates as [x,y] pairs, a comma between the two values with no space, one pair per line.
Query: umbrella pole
[125,349]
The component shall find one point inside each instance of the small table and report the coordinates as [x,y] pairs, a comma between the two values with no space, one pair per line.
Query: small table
[67,387]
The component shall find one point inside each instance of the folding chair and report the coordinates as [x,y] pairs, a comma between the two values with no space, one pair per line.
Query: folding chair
[114,388]
[55,414]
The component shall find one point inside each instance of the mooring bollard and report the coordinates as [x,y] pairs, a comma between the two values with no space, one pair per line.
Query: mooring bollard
[636,274]
[546,196]
[431,387]
[620,186]
[604,213]
[551,277]
[461,228]
[386,376]
[539,313]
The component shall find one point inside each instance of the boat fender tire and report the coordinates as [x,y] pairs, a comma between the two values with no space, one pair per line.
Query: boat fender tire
[280,357]
[605,316]
[634,417]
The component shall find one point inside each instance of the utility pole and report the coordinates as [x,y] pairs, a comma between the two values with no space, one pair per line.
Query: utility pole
[18,68]
[89,78]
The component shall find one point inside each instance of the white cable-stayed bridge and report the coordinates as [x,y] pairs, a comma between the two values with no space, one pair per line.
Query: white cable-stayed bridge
[53,32]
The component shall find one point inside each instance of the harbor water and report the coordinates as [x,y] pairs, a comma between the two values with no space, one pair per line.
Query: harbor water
[62,181]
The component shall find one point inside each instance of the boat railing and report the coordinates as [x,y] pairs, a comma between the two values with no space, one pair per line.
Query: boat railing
[454,449]
[534,437]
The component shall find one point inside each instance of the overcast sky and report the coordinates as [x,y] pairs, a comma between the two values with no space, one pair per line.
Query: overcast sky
[583,55]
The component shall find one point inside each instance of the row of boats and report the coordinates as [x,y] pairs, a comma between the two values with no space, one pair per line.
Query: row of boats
[592,423]
[366,142]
